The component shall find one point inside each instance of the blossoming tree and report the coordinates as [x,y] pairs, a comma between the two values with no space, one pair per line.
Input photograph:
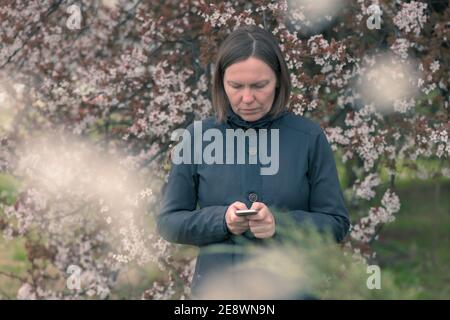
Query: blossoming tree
[90,92]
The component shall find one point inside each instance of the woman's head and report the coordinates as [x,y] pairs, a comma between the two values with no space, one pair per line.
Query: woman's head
[251,75]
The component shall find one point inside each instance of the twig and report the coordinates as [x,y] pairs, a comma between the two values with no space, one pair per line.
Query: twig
[11,275]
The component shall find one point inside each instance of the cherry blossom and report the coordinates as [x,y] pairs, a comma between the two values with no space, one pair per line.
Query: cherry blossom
[134,72]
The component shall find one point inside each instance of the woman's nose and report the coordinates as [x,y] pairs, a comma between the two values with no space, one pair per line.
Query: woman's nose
[247,96]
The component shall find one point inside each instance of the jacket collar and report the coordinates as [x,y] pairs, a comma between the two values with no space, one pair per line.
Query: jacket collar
[235,121]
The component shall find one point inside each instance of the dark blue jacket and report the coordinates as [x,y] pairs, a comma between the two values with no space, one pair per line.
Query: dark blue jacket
[305,188]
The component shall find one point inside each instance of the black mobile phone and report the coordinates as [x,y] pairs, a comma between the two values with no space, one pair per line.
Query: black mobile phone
[244,213]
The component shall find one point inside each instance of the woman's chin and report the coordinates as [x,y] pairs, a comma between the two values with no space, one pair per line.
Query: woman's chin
[250,117]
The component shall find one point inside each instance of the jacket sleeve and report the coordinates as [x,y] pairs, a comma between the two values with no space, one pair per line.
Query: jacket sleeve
[326,202]
[179,220]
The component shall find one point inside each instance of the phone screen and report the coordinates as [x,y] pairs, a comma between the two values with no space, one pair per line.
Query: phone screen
[243,213]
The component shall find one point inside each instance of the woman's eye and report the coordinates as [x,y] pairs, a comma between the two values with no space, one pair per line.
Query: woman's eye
[256,86]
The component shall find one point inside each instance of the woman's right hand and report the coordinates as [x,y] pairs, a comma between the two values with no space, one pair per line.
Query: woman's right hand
[237,225]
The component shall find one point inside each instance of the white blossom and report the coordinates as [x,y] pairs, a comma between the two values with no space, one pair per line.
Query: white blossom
[364,189]
[411,17]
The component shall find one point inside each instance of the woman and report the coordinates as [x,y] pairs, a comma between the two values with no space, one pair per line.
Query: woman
[250,94]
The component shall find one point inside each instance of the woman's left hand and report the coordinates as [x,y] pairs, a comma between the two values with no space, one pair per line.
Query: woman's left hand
[262,224]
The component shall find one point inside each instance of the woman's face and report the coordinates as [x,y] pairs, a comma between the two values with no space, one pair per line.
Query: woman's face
[250,87]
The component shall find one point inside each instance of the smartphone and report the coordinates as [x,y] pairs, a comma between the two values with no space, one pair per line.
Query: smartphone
[244,213]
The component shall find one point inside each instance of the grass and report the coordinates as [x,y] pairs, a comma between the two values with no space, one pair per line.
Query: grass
[12,261]
[415,247]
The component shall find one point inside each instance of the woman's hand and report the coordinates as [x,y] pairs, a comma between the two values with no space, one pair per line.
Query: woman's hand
[237,225]
[262,224]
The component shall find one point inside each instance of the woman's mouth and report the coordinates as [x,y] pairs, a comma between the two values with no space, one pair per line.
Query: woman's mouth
[252,110]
